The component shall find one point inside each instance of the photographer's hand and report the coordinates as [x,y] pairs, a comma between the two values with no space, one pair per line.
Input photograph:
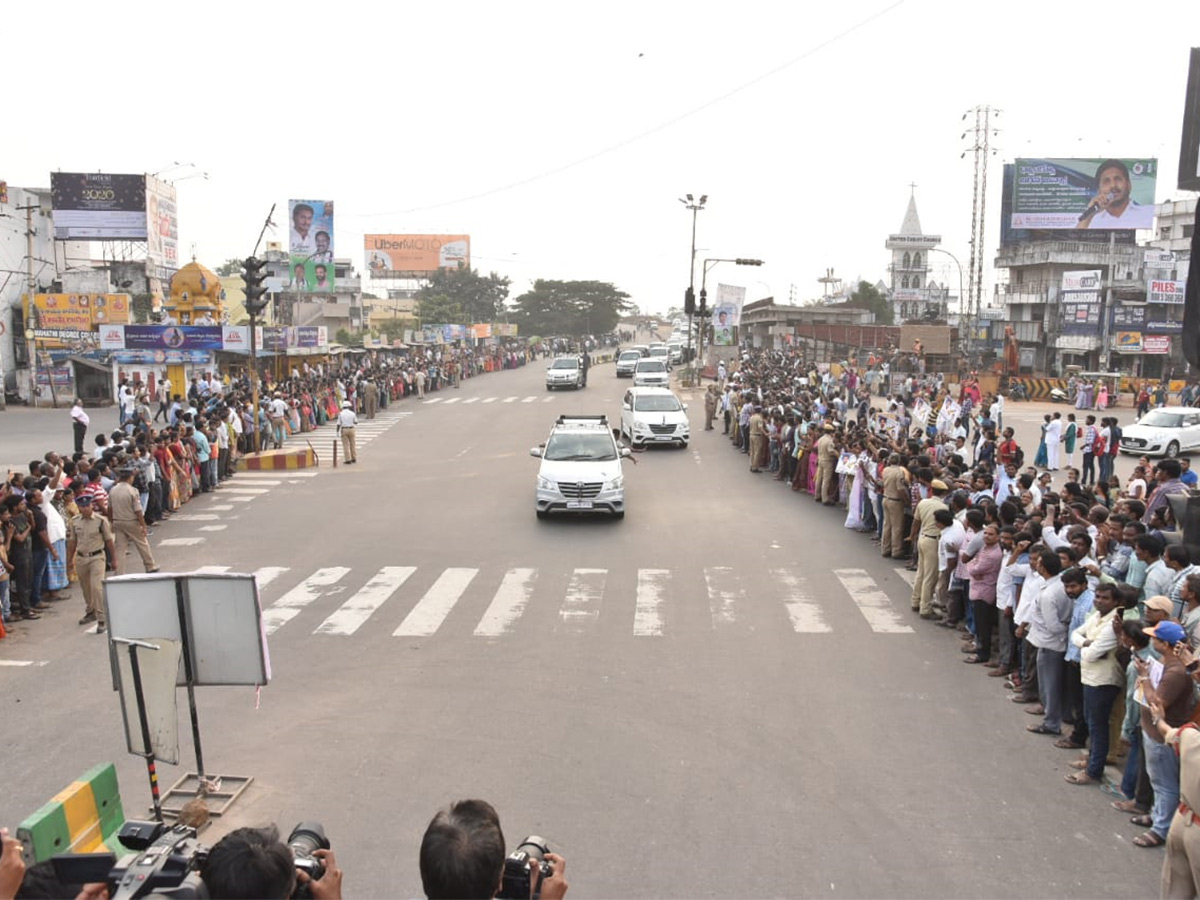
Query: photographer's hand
[329,885]
[12,865]
[555,887]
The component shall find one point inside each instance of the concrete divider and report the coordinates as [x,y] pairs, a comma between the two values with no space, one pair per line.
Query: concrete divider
[83,817]
[272,460]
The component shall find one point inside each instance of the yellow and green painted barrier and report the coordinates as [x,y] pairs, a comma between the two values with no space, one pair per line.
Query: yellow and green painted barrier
[84,817]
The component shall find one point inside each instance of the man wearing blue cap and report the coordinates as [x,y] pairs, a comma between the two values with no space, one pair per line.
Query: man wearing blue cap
[1173,691]
[88,536]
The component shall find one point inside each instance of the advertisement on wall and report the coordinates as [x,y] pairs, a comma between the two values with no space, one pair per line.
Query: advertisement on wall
[1079,296]
[1096,194]
[93,206]
[162,226]
[1157,344]
[1128,341]
[415,255]
[1166,292]
[310,246]
[1128,318]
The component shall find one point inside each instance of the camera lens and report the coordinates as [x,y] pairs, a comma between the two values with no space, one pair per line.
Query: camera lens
[308,837]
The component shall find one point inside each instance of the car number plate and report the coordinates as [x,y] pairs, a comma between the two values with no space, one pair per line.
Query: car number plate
[579,504]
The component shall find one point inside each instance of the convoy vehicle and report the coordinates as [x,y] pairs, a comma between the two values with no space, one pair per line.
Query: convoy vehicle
[661,351]
[1166,431]
[651,373]
[581,468]
[654,415]
[626,363]
[565,371]
[676,349]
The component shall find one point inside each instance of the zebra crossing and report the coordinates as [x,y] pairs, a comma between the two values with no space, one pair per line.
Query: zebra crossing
[469,602]
[365,432]
[511,398]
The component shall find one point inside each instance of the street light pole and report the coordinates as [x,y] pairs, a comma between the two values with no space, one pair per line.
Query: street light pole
[695,206]
[967,341]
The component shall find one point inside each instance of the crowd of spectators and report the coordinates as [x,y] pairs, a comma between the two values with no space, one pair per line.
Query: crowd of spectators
[1079,599]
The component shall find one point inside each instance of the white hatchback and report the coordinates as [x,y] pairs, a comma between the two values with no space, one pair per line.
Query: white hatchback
[1166,431]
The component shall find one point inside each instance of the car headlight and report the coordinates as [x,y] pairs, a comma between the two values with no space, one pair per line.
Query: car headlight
[640,426]
[616,484]
[545,484]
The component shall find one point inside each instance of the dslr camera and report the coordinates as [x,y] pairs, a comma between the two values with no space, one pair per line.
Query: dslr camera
[520,867]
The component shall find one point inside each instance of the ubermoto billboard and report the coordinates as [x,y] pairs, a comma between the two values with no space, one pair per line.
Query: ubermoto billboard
[94,206]
[1097,194]
[415,255]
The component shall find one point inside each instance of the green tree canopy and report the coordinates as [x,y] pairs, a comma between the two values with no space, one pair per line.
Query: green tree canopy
[478,298]
[439,309]
[230,267]
[867,296]
[570,307]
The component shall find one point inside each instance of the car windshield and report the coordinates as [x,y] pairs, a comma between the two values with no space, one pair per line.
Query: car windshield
[656,403]
[651,365]
[630,356]
[1156,418]
[566,364]
[588,447]
[659,351]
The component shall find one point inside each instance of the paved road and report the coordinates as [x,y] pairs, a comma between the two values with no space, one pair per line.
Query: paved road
[723,695]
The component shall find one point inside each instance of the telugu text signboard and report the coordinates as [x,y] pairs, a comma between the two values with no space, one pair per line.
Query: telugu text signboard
[93,206]
[415,255]
[1109,194]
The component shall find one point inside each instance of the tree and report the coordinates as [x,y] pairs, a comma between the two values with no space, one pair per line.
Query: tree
[347,339]
[393,329]
[439,309]
[478,298]
[230,267]
[141,305]
[867,296]
[570,307]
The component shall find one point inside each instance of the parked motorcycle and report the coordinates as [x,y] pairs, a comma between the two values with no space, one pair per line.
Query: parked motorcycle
[1017,391]
[1058,395]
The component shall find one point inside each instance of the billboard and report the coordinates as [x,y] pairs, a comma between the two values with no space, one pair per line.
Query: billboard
[727,313]
[1128,318]
[162,226]
[92,206]
[1094,194]
[415,255]
[310,246]
[1079,296]
[1165,292]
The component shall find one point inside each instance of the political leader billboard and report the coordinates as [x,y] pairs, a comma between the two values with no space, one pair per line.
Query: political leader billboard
[1095,194]
[415,255]
[310,246]
[94,206]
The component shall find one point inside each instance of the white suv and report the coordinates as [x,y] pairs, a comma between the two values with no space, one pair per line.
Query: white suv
[650,372]
[565,371]
[653,415]
[581,468]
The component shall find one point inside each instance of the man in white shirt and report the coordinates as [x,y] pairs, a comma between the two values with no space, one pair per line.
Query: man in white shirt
[303,241]
[1113,207]
[998,413]
[346,422]
[79,422]
[277,412]
[1053,441]
[1049,618]
[163,390]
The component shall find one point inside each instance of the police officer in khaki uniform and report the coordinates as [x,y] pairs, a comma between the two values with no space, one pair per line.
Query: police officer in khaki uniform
[129,523]
[346,422]
[87,537]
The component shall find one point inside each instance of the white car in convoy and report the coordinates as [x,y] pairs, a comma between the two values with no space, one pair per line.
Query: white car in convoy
[1166,431]
[676,349]
[581,468]
[650,372]
[565,371]
[654,415]
[626,362]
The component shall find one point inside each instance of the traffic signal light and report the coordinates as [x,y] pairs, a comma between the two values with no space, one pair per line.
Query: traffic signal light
[689,302]
[703,310]
[748,262]
[255,277]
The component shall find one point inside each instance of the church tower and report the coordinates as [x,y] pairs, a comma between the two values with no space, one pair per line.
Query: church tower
[909,288]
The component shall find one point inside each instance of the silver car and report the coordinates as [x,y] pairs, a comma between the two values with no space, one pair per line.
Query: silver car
[626,363]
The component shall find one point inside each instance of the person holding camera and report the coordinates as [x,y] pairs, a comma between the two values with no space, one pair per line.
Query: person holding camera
[253,863]
[463,857]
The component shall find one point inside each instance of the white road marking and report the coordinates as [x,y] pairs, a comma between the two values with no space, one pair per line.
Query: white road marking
[210,570]
[581,605]
[723,595]
[253,474]
[213,527]
[873,603]
[222,508]
[490,399]
[181,542]
[257,482]
[246,490]
[907,575]
[198,517]
[431,610]
[802,609]
[531,400]
[242,499]
[696,456]
[647,616]
[548,400]
[511,399]
[510,601]
[429,400]
[471,400]
[355,611]
[23,662]
[289,605]
[453,400]
[267,574]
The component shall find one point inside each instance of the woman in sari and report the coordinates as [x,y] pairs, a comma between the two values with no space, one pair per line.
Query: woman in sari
[1042,458]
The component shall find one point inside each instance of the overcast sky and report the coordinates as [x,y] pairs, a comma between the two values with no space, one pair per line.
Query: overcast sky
[560,136]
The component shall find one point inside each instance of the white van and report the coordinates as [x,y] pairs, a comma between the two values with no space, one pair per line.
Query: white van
[654,415]
[581,469]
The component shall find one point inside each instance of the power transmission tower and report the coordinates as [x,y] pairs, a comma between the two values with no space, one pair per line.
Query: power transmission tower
[981,146]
